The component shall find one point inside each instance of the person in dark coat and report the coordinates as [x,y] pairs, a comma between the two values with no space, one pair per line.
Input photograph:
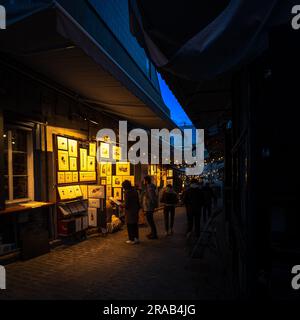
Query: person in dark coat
[170,199]
[208,195]
[193,200]
[132,207]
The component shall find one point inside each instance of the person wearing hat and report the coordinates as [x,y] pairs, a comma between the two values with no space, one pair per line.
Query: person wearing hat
[132,207]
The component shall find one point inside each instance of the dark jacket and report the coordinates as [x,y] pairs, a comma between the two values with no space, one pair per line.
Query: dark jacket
[132,205]
[193,199]
[208,195]
[169,197]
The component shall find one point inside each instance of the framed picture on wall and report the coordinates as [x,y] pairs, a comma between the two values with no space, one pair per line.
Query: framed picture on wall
[62,143]
[87,176]
[91,163]
[60,177]
[103,181]
[69,177]
[92,149]
[73,164]
[77,191]
[118,193]
[75,177]
[96,192]
[104,150]
[63,160]
[83,159]
[123,168]
[94,203]
[116,152]
[170,173]
[116,181]
[108,169]
[103,169]
[108,180]
[72,148]
[84,191]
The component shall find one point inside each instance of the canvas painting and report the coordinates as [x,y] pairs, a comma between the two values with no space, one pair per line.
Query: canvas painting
[63,160]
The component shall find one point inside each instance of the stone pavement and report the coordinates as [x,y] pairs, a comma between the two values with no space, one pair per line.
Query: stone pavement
[109,269]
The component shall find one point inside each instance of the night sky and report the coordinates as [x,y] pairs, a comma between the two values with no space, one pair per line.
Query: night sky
[178,115]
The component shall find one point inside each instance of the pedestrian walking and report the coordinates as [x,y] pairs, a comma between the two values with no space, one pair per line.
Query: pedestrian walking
[170,199]
[149,203]
[208,196]
[193,200]
[132,207]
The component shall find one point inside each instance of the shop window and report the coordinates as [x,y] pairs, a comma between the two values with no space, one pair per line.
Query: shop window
[18,165]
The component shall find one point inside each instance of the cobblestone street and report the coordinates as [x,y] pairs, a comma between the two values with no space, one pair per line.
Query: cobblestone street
[108,268]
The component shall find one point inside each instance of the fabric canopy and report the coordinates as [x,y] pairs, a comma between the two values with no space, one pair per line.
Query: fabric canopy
[202,44]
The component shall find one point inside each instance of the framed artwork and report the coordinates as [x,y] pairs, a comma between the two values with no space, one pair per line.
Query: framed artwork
[103,169]
[62,143]
[63,160]
[92,149]
[117,153]
[75,177]
[96,192]
[83,159]
[77,191]
[84,191]
[103,182]
[62,191]
[116,181]
[72,148]
[129,178]
[94,203]
[60,177]
[108,180]
[108,169]
[91,163]
[87,176]
[104,150]
[118,193]
[92,212]
[69,177]
[123,168]
[73,164]
[108,191]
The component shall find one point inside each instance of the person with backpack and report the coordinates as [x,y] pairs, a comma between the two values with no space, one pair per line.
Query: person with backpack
[132,207]
[193,200]
[170,199]
[149,201]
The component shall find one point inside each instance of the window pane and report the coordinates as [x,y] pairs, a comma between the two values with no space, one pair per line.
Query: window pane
[20,187]
[19,163]
[19,140]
